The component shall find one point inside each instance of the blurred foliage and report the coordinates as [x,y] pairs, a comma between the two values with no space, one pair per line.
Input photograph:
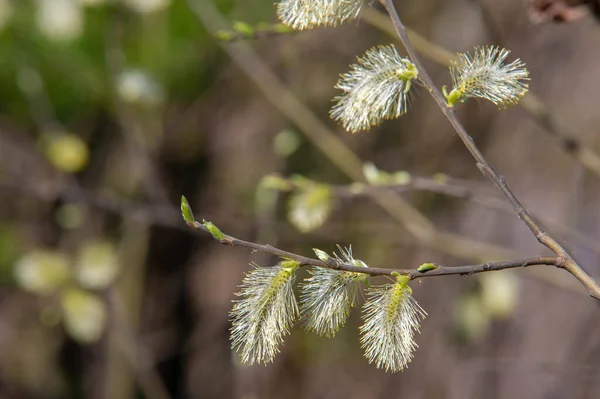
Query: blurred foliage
[310,205]
[67,43]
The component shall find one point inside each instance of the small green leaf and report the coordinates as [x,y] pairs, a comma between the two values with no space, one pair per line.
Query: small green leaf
[425,267]
[322,255]
[214,231]
[186,211]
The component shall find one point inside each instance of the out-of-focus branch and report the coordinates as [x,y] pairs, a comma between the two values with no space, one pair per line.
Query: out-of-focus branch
[542,236]
[468,190]
[435,270]
[139,358]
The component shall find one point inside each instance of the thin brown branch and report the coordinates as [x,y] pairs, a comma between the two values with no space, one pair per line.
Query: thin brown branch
[542,236]
[413,273]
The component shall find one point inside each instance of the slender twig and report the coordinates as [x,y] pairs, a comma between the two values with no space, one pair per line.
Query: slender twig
[331,263]
[542,236]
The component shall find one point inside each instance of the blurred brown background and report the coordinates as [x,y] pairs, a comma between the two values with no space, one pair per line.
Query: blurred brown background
[111,110]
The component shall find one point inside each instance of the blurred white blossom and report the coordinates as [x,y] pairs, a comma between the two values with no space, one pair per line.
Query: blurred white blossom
[42,272]
[60,20]
[84,315]
[310,205]
[471,317]
[97,265]
[137,86]
[375,89]
[499,293]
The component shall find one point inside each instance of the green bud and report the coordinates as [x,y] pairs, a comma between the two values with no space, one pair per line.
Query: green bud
[214,231]
[186,211]
[425,267]
[453,97]
[321,254]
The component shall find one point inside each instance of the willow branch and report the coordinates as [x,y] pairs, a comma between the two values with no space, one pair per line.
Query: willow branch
[541,235]
[331,263]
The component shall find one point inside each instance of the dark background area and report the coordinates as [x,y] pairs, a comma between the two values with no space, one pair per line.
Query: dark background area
[111,110]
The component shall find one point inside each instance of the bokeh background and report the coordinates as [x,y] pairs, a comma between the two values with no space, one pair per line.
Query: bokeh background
[111,110]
